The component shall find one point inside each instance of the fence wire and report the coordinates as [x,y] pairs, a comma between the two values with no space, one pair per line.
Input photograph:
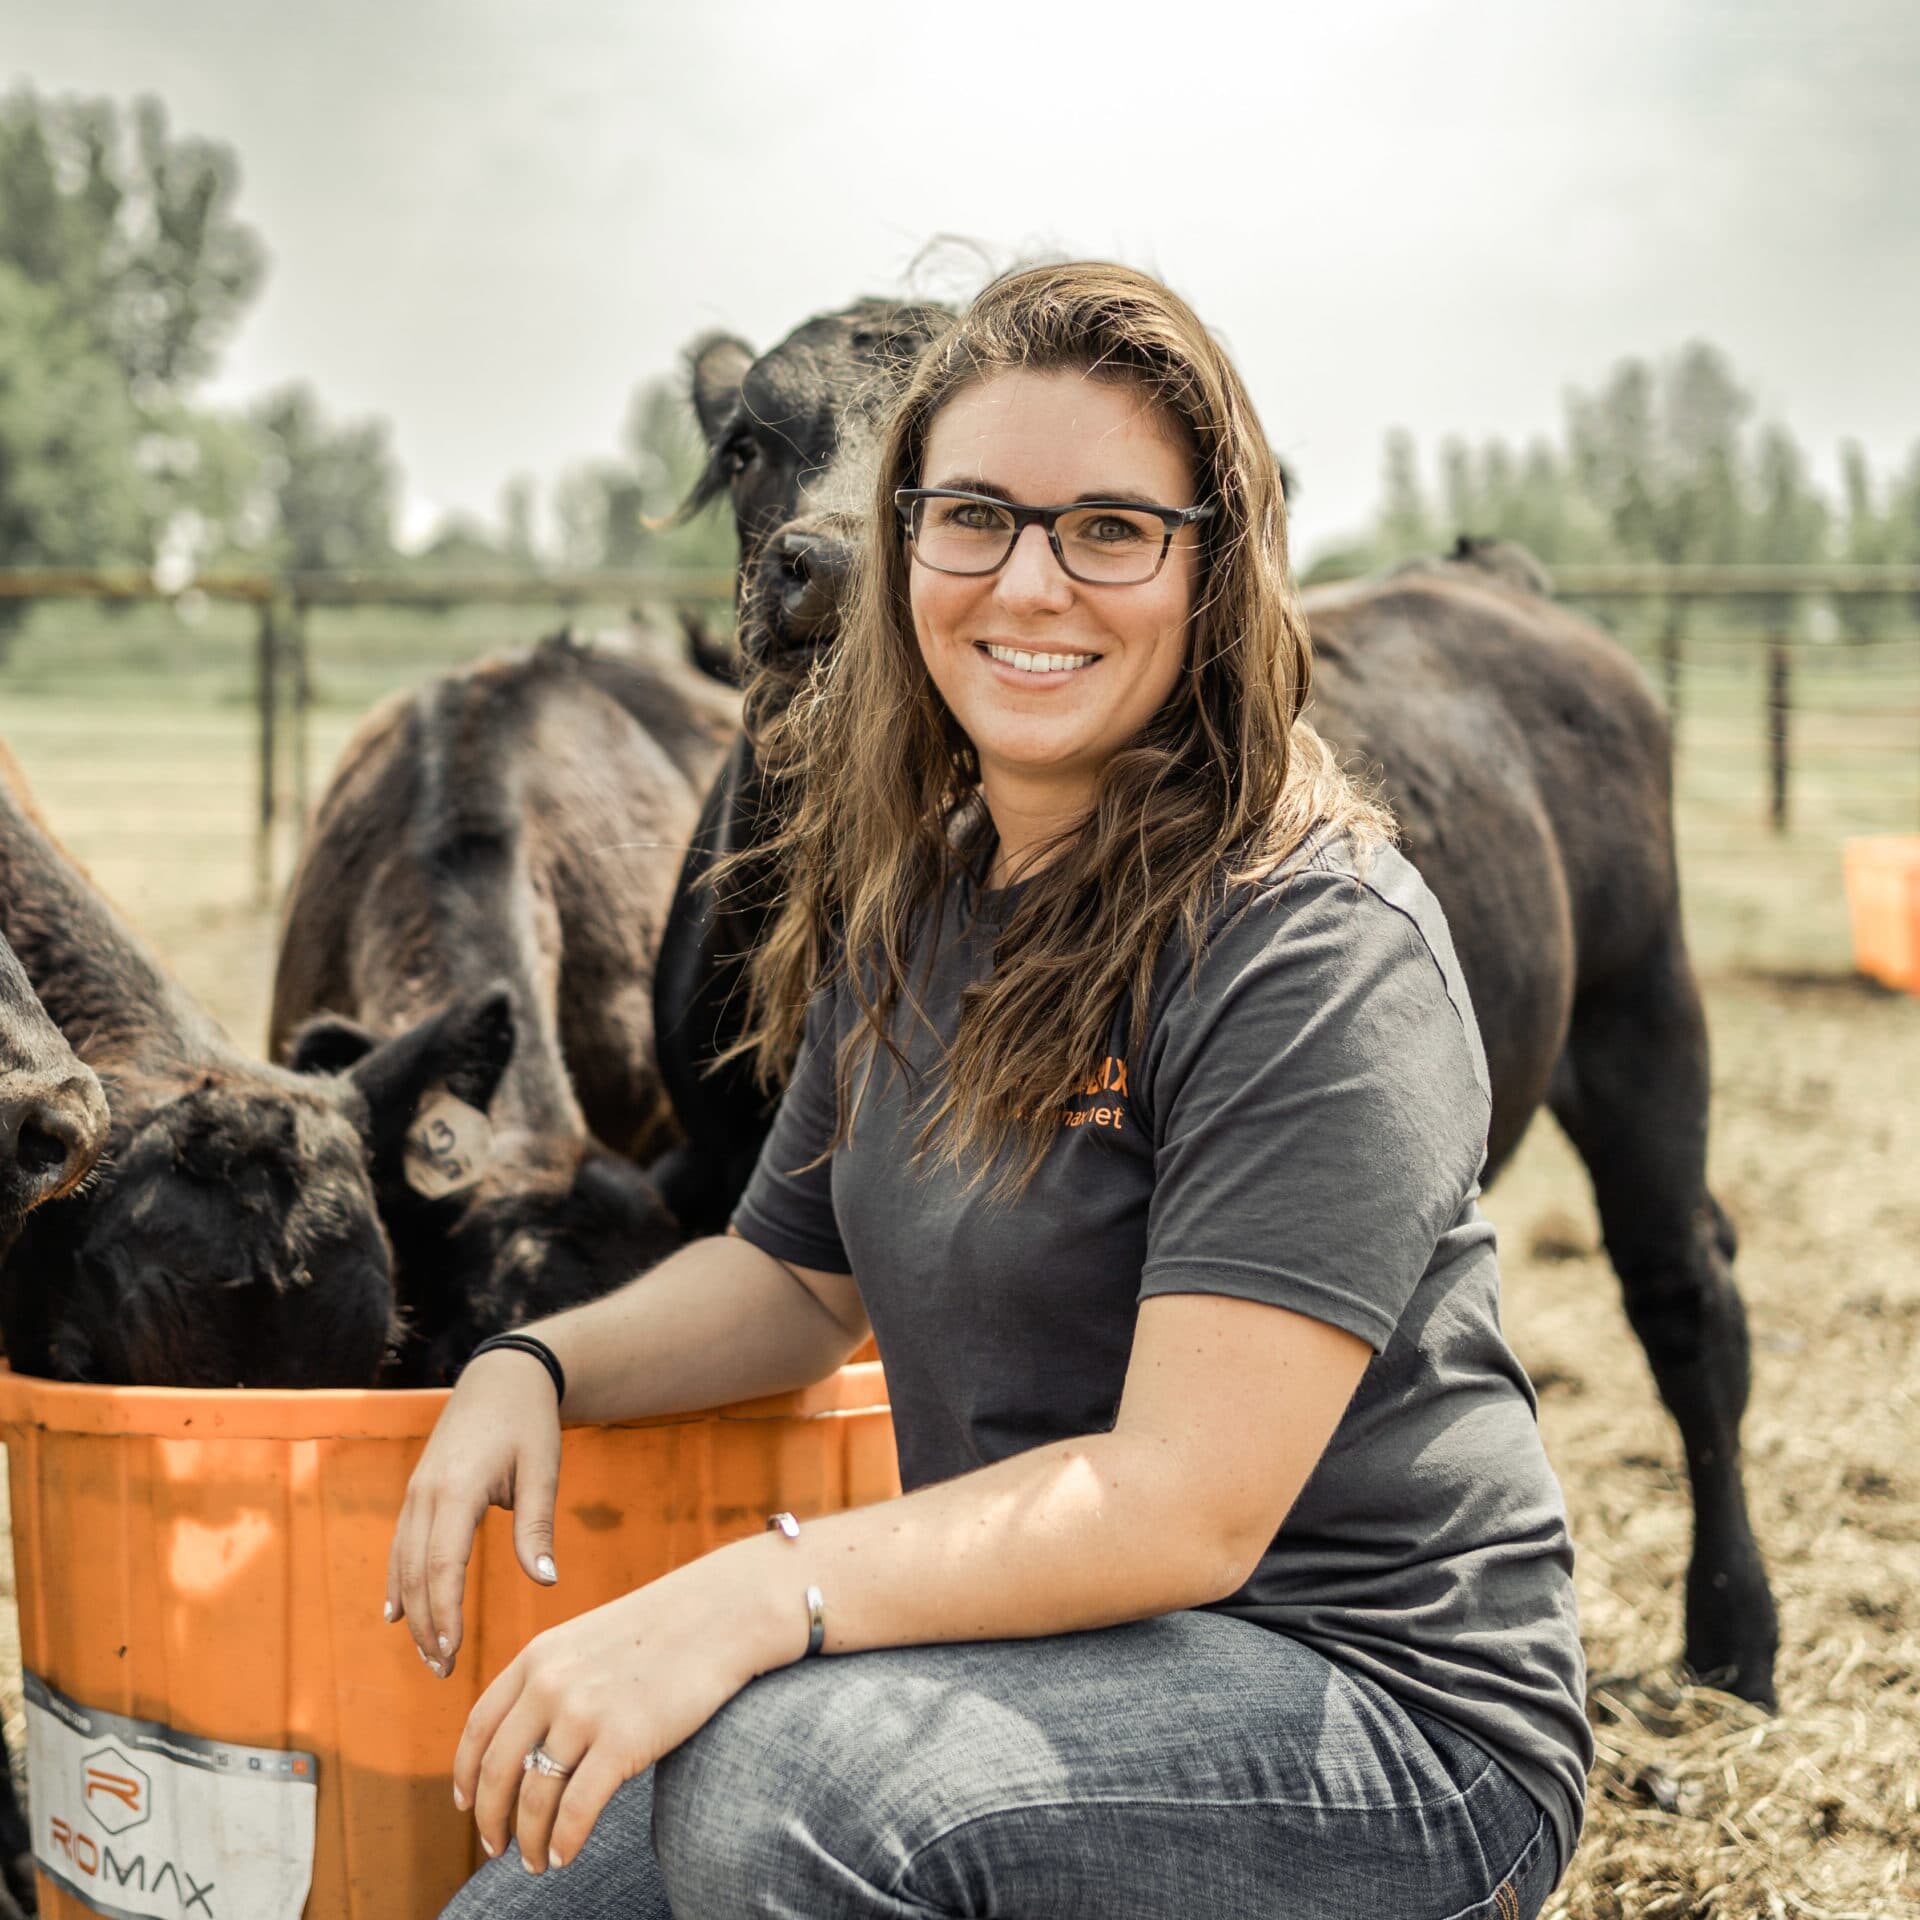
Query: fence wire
[154,744]
[1784,749]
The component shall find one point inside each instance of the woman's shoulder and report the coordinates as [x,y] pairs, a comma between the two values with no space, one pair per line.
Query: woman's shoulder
[1333,883]
[1339,919]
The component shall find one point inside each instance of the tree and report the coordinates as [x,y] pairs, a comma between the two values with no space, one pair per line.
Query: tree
[1459,494]
[1656,464]
[70,492]
[122,269]
[620,513]
[1406,528]
[1903,520]
[1788,521]
[1866,540]
[332,488]
[516,522]
[132,231]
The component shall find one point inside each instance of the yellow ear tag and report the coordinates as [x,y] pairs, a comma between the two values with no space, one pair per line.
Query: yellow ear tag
[448,1146]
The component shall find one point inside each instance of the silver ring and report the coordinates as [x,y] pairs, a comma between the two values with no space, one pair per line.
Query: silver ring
[539,1760]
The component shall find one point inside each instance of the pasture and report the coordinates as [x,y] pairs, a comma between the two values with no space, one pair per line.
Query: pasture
[141,753]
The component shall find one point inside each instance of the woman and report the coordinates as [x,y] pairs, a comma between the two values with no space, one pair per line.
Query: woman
[1138,1108]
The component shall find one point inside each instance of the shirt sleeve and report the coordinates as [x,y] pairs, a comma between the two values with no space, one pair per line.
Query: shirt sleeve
[1319,1110]
[787,1209]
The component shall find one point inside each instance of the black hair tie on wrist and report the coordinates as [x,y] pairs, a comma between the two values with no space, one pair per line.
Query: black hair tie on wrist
[526,1343]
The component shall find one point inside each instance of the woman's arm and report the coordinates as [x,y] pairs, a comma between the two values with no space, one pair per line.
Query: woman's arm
[719,1321]
[1227,1407]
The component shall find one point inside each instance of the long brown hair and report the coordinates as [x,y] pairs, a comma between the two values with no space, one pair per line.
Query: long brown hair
[876,789]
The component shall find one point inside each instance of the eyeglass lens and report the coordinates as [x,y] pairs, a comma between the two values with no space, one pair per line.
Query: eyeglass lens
[1108,546]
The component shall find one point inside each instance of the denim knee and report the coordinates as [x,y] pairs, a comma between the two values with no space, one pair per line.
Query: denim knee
[756,1797]
[830,1775]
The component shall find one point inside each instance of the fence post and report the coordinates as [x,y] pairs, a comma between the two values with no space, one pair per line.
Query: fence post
[301,662]
[1671,661]
[266,690]
[1779,728]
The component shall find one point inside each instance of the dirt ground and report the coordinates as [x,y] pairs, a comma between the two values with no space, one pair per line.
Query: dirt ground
[1699,1805]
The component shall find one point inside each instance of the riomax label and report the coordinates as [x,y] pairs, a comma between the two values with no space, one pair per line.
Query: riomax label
[141,1822]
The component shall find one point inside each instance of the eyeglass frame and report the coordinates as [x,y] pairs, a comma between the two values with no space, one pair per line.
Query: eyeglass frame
[1171,519]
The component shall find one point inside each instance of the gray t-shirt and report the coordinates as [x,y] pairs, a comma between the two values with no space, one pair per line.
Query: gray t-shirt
[1306,1126]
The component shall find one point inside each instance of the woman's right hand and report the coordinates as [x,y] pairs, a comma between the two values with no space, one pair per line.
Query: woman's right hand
[496,1444]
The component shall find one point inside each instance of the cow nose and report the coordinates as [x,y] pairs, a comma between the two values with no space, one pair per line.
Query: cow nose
[47,1145]
[812,568]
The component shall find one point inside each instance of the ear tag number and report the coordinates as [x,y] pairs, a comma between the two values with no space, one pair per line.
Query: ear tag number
[448,1146]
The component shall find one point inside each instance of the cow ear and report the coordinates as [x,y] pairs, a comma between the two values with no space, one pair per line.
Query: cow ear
[718,363]
[329,1044]
[464,1048]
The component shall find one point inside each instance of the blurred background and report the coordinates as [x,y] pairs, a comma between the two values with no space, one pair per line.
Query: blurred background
[341,344]
[402,290]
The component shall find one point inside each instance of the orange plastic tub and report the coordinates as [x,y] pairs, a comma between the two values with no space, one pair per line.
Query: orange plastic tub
[1883,900]
[213,1699]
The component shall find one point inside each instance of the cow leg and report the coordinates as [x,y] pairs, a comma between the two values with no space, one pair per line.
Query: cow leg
[1632,1096]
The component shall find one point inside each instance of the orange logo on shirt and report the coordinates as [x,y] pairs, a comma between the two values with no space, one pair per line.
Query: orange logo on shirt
[1111,1081]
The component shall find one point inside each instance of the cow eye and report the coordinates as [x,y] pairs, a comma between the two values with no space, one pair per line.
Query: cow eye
[737,456]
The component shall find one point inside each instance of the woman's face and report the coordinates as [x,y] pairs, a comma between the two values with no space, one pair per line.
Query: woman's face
[1097,662]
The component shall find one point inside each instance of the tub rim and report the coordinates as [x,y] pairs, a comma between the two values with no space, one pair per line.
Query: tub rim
[351,1413]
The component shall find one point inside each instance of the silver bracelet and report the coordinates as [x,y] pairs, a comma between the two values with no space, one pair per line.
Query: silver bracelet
[785,1523]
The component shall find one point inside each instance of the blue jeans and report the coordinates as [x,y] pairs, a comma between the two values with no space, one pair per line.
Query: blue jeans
[1191,1767]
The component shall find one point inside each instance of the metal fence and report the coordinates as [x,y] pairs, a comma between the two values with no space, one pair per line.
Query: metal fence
[1793,732]
[176,740]
[188,729]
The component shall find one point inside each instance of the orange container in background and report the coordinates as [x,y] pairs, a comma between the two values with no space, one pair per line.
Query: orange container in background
[1883,901]
[211,1686]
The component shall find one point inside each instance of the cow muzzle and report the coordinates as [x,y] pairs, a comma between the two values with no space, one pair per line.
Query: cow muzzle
[49,1143]
[799,589]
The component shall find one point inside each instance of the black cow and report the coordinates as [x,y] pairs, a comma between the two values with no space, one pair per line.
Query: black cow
[1529,767]
[230,1236]
[53,1126]
[53,1116]
[523,820]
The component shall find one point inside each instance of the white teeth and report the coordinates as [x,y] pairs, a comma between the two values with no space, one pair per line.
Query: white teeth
[1041,662]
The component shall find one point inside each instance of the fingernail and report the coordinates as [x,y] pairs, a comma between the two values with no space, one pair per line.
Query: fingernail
[386,1613]
[459,1799]
[527,1861]
[486,1846]
[446,1645]
[544,1567]
[434,1667]
[554,1860]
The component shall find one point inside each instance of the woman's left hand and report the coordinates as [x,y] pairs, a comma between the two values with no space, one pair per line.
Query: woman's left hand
[606,1695]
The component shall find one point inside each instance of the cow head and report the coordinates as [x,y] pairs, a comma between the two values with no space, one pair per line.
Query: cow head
[53,1116]
[234,1238]
[559,1222]
[792,438]
[554,1219]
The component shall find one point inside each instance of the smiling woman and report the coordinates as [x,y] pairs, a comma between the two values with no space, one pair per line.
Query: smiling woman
[1138,1112]
[1047,679]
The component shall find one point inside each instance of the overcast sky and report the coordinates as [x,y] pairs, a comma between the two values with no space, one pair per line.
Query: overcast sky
[487,221]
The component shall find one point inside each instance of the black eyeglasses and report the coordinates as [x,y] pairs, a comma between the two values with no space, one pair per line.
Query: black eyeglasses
[1101,543]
